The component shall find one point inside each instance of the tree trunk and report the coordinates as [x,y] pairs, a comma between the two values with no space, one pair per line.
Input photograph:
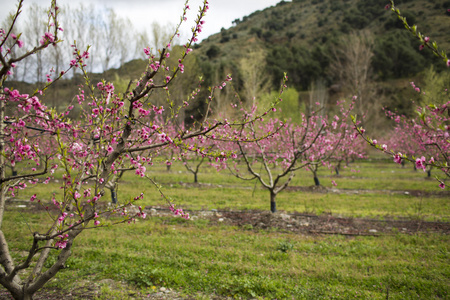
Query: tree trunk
[27,297]
[113,196]
[273,204]
[22,296]
[195,178]
[316,181]
[338,167]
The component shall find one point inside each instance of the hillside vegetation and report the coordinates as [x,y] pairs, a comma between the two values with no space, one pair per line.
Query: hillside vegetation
[299,36]
[305,38]
[308,39]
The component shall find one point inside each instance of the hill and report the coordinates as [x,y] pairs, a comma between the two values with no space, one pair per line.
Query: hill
[311,28]
[303,38]
[311,41]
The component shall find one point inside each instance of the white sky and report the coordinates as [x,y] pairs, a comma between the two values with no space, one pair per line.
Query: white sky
[144,12]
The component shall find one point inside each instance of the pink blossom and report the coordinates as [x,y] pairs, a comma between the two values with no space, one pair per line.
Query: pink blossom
[158,110]
[420,163]
[62,217]
[442,185]
[398,158]
[154,66]
[87,193]
[47,37]
[61,244]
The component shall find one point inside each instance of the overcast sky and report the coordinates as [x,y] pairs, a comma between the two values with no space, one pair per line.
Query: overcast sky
[143,12]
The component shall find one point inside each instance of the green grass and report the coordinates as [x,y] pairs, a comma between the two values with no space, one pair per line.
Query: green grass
[197,257]
[359,175]
[192,256]
[379,189]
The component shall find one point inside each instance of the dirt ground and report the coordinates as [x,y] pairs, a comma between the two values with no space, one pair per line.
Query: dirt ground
[322,224]
[313,224]
[327,224]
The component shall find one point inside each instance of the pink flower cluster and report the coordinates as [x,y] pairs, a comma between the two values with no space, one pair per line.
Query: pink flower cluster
[179,212]
[421,163]
[47,38]
[62,243]
[141,213]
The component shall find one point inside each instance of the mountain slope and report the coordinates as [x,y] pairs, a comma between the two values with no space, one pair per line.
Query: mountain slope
[299,37]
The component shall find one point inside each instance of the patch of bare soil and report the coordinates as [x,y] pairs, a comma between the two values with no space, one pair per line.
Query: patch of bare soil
[310,223]
[87,290]
[325,224]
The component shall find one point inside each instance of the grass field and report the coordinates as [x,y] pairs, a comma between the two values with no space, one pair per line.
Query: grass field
[203,260]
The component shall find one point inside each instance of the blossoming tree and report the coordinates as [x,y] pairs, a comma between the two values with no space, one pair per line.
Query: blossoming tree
[116,133]
[337,145]
[426,138]
[424,141]
[289,147]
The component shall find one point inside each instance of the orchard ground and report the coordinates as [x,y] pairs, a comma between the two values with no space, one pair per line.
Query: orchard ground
[383,231]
